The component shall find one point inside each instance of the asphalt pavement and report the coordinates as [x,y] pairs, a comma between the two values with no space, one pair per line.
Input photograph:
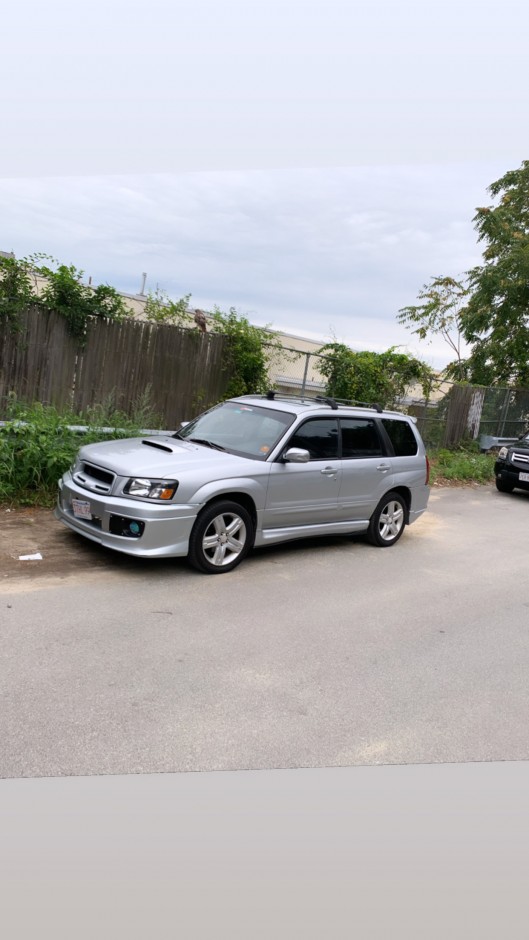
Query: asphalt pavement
[326,653]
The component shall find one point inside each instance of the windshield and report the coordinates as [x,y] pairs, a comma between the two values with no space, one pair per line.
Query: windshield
[248,430]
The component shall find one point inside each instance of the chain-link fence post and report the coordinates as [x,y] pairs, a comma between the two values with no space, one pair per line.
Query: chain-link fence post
[305,373]
[504,412]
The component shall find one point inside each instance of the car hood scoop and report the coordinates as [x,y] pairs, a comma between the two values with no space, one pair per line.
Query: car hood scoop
[166,447]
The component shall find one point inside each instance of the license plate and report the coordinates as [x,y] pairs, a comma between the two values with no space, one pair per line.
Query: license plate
[81,508]
[524,477]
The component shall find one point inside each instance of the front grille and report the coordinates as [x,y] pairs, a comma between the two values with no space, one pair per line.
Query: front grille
[520,458]
[94,478]
[97,473]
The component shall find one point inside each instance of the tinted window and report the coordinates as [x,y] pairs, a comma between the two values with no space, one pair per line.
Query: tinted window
[360,438]
[319,436]
[401,436]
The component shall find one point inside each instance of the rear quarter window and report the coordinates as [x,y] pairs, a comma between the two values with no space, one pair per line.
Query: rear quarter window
[401,436]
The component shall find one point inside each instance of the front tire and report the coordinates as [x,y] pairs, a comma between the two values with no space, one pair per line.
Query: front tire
[222,536]
[502,486]
[388,521]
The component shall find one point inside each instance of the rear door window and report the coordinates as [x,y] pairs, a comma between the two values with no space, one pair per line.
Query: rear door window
[360,438]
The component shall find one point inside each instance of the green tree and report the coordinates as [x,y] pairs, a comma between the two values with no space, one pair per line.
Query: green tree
[489,308]
[496,319]
[371,377]
[439,313]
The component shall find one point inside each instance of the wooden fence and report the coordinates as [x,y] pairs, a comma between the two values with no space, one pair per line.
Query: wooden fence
[183,370]
[464,414]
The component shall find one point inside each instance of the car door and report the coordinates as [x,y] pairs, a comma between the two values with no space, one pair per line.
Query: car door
[303,494]
[366,468]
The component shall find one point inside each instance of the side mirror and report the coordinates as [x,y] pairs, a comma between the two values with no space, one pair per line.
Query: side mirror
[296,455]
[183,424]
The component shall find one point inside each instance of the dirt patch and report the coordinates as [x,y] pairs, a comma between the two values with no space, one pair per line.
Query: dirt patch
[32,531]
[66,556]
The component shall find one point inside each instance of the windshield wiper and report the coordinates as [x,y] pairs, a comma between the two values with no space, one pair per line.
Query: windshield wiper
[202,440]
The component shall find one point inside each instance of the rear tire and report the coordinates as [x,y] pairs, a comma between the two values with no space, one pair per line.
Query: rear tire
[388,521]
[222,536]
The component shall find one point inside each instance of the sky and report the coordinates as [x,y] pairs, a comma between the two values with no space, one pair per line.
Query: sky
[311,164]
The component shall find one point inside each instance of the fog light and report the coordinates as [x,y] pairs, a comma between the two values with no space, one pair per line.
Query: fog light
[127,528]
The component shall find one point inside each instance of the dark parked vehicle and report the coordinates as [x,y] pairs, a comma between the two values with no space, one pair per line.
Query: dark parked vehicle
[512,466]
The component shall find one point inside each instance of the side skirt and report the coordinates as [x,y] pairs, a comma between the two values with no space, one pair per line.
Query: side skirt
[287,534]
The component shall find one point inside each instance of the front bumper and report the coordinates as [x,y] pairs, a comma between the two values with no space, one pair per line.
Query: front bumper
[511,475]
[166,528]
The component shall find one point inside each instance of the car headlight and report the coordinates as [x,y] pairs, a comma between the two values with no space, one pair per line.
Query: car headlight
[151,489]
[502,454]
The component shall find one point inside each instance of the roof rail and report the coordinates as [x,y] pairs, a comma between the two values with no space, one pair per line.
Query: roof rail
[334,403]
[272,394]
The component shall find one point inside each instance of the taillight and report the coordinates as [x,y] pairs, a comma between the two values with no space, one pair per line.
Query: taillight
[427,471]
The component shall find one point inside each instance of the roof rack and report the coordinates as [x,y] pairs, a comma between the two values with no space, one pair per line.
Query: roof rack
[327,401]
[364,404]
[333,403]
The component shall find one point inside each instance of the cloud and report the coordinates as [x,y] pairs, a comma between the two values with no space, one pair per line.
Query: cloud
[313,251]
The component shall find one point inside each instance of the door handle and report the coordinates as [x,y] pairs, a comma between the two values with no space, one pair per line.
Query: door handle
[383,467]
[329,471]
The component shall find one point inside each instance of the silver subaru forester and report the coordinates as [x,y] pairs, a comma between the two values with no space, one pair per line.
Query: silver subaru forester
[253,470]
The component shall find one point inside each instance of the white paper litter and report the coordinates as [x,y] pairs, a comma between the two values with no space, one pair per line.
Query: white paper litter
[36,557]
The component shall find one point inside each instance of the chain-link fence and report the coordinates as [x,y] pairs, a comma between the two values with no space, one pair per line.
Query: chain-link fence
[295,371]
[456,413]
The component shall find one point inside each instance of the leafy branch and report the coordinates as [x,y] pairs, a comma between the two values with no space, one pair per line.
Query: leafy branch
[247,361]
[16,291]
[443,302]
[159,308]
[62,291]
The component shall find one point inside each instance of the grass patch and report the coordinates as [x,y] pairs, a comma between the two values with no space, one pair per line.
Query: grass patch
[37,446]
[461,465]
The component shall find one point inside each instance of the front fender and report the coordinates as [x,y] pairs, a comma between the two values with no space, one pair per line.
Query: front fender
[255,489]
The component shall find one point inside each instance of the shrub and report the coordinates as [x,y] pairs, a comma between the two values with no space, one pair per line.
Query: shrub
[37,445]
[246,357]
[462,465]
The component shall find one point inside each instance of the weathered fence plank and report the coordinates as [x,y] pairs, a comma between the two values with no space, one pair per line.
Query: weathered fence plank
[183,370]
[457,420]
